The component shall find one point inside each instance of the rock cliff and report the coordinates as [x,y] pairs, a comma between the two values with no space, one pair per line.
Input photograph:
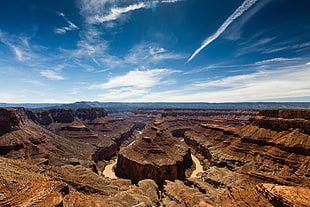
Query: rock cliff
[267,195]
[270,148]
[90,125]
[11,119]
[156,155]
[25,184]
[24,139]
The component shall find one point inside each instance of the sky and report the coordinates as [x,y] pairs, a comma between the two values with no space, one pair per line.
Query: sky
[62,51]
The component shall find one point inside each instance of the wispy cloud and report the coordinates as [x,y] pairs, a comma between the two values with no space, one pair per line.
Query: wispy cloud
[52,75]
[71,26]
[241,9]
[279,59]
[255,44]
[280,78]
[235,30]
[115,13]
[104,11]
[122,94]
[281,83]
[136,78]
[19,45]
[267,63]
[147,52]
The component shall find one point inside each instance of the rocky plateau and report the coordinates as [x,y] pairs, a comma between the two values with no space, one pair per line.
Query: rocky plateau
[55,157]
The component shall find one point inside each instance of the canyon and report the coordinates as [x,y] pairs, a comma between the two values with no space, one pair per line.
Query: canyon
[59,157]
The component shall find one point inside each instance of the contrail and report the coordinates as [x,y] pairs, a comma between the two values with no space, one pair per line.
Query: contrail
[241,9]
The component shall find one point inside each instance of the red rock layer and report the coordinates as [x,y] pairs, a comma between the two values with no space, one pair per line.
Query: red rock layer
[11,119]
[157,156]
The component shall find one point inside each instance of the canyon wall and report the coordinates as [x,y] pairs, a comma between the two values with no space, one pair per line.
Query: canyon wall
[11,119]
[156,155]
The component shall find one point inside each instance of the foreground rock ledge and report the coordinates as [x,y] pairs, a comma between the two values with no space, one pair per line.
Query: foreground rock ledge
[157,156]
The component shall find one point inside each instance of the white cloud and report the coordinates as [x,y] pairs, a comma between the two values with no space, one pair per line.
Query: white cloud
[18,52]
[51,75]
[136,78]
[241,9]
[115,13]
[274,60]
[234,31]
[286,81]
[21,47]
[123,94]
[63,30]
[290,81]
[105,11]
[146,52]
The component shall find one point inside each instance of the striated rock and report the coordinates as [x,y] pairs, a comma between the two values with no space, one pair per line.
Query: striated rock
[23,184]
[157,156]
[264,162]
[267,195]
[281,120]
[90,113]
[31,141]
[75,130]
[105,152]
[11,119]
[20,185]
[145,194]
[241,158]
[178,194]
[286,113]
[46,117]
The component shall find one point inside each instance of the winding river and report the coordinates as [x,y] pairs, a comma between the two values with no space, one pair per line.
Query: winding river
[199,167]
[108,170]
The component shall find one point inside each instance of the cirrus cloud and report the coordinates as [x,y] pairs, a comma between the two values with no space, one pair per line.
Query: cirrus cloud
[52,75]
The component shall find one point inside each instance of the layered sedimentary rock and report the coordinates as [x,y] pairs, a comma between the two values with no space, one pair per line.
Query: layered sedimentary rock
[90,113]
[24,184]
[157,156]
[263,162]
[267,195]
[266,149]
[24,139]
[11,119]
[69,123]
[90,125]
[46,117]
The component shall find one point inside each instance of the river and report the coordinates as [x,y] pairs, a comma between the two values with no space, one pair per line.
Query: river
[108,170]
[199,167]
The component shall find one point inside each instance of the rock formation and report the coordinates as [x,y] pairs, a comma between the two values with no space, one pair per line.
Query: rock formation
[157,156]
[25,184]
[267,149]
[90,125]
[59,155]
[11,119]
[26,140]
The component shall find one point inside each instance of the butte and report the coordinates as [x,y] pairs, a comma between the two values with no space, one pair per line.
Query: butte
[156,155]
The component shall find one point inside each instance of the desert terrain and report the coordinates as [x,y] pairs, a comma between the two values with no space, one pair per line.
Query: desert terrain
[154,157]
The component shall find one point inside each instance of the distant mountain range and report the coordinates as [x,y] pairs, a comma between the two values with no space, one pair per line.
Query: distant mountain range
[124,105]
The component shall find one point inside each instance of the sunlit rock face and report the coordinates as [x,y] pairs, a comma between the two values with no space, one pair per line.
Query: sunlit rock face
[156,155]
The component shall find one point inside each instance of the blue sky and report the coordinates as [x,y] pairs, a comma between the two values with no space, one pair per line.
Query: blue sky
[154,50]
